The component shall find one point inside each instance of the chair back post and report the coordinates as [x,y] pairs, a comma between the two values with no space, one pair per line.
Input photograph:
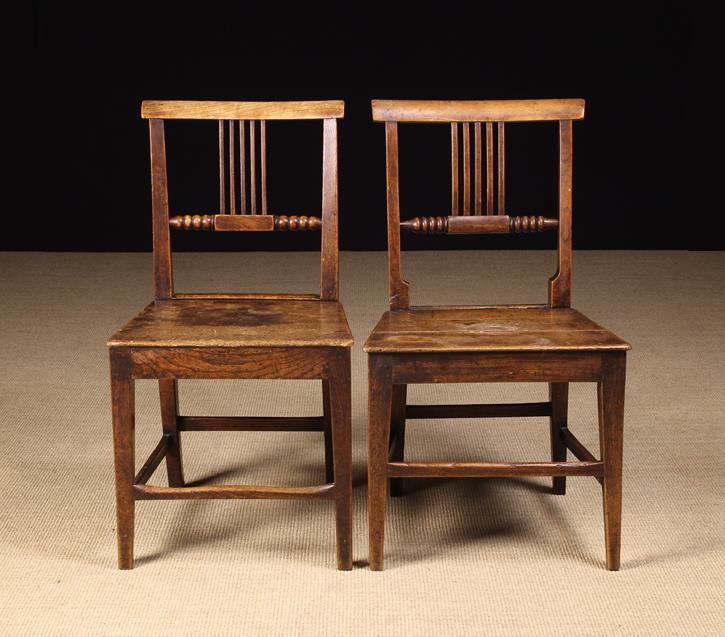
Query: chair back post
[329,258]
[560,283]
[398,289]
[459,115]
[163,268]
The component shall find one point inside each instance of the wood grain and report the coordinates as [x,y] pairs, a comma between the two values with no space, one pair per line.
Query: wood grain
[478,170]
[189,109]
[250,423]
[492,469]
[163,268]
[560,283]
[228,491]
[476,110]
[398,294]
[490,330]
[501,162]
[454,169]
[236,323]
[329,257]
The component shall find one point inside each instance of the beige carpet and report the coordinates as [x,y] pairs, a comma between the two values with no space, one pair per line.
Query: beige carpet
[498,557]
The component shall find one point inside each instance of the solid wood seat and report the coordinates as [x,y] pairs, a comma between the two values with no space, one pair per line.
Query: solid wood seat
[492,329]
[235,336]
[551,344]
[236,323]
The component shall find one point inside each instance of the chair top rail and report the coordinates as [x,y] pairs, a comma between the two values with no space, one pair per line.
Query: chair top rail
[477,110]
[189,109]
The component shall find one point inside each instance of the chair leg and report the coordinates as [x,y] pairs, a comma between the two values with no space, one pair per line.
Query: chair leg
[169,395]
[341,424]
[329,472]
[122,397]
[610,395]
[559,397]
[397,434]
[379,410]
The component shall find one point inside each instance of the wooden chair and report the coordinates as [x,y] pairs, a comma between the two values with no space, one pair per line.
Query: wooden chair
[261,336]
[529,343]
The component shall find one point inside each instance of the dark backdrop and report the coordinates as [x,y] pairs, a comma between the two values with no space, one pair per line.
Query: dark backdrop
[79,177]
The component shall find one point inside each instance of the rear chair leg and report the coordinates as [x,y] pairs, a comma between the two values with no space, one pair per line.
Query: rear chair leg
[329,472]
[379,410]
[122,397]
[341,424]
[559,397]
[169,395]
[397,435]
[610,394]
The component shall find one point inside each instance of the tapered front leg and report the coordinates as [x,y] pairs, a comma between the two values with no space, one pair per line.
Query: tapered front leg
[610,393]
[397,434]
[169,395]
[379,411]
[559,397]
[329,471]
[122,397]
[341,422]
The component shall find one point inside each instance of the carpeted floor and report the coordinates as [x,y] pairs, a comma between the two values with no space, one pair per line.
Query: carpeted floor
[473,557]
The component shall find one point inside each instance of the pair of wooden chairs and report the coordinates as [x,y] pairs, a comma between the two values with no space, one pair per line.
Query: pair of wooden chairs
[291,336]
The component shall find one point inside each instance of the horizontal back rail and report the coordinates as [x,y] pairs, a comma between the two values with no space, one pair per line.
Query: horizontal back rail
[183,109]
[476,110]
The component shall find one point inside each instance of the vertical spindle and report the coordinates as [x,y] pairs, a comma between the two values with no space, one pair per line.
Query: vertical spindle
[222,189]
[454,168]
[477,163]
[232,171]
[263,162]
[242,168]
[252,167]
[500,209]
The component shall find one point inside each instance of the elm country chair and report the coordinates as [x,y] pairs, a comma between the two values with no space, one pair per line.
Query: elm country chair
[261,336]
[550,343]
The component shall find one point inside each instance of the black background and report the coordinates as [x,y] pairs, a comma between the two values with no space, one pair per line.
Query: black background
[78,175]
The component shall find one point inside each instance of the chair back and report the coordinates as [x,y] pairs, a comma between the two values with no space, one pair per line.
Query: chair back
[470,214]
[243,204]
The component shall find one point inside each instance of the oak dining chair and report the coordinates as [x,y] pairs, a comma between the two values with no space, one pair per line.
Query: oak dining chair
[235,336]
[550,343]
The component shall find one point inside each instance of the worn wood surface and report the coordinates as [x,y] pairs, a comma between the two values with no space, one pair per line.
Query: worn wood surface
[610,401]
[229,491]
[236,323]
[492,469]
[163,270]
[560,283]
[478,224]
[476,110]
[189,109]
[169,398]
[559,399]
[398,294]
[501,329]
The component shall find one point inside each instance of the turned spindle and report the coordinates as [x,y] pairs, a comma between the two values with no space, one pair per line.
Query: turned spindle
[478,224]
[294,223]
[429,225]
[192,222]
[532,224]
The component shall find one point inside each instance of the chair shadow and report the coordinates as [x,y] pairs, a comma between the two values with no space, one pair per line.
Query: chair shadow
[187,534]
[491,491]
